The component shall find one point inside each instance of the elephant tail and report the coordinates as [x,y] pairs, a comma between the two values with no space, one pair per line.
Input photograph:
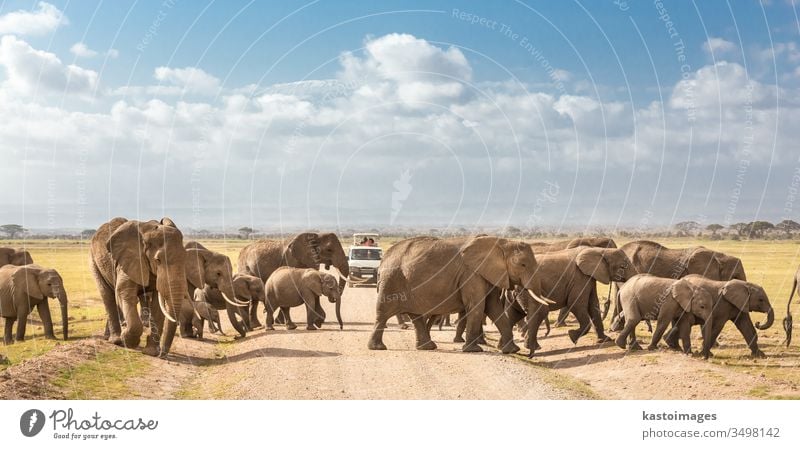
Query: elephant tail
[787,322]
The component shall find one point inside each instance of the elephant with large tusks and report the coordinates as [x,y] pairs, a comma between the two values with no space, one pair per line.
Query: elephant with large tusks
[290,287]
[733,301]
[658,260]
[134,261]
[787,321]
[212,270]
[666,300]
[24,287]
[427,276]
[569,277]
[11,256]
[305,250]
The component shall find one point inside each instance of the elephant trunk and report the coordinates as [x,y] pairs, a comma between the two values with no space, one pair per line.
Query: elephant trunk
[339,311]
[62,299]
[770,320]
[787,321]
[239,326]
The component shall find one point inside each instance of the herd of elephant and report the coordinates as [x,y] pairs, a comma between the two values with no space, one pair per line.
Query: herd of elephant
[148,277]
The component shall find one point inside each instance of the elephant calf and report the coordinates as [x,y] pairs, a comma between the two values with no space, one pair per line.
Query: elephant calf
[289,287]
[22,288]
[663,299]
[203,311]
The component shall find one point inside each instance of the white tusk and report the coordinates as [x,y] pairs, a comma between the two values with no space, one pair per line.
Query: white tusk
[163,306]
[541,300]
[234,302]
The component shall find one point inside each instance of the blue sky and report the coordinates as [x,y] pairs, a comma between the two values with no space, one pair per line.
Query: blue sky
[326,114]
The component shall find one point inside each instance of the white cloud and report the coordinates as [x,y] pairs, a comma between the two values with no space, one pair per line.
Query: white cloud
[113,53]
[29,70]
[192,79]
[44,19]
[80,50]
[718,46]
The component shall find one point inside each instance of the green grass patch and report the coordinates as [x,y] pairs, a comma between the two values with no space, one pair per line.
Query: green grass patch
[105,377]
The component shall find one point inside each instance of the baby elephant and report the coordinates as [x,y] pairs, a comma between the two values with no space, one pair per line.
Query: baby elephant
[22,288]
[203,311]
[647,297]
[289,287]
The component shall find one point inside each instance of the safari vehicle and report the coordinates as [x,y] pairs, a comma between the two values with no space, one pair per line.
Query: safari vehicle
[364,256]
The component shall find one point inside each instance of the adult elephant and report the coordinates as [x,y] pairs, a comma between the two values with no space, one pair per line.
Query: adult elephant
[733,301]
[205,268]
[595,242]
[134,261]
[305,250]
[24,287]
[658,260]
[568,278]
[427,276]
[787,322]
[11,256]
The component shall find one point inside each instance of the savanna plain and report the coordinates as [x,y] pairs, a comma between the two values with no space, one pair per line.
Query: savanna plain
[335,364]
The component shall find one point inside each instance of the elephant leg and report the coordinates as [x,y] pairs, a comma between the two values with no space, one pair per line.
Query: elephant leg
[281,318]
[155,322]
[47,319]
[474,296]
[424,341]
[320,312]
[533,321]
[584,323]
[685,331]
[673,336]
[446,321]
[8,336]
[461,325]
[253,316]
[710,336]
[113,325]
[270,317]
[597,316]
[22,321]
[284,311]
[661,327]
[128,299]
[401,321]
[186,319]
[244,312]
[748,331]
[311,313]
[376,339]
[504,318]
[561,321]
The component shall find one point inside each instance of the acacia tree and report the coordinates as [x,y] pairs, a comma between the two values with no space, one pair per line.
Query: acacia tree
[12,230]
[788,226]
[714,228]
[246,232]
[758,228]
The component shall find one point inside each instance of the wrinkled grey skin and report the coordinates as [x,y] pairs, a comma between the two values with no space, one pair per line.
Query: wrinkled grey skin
[569,278]
[202,312]
[11,256]
[453,276]
[290,287]
[658,260]
[211,270]
[787,321]
[666,300]
[595,242]
[132,262]
[305,250]
[733,301]
[24,287]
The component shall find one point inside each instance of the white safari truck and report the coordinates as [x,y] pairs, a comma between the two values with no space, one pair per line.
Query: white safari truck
[364,256]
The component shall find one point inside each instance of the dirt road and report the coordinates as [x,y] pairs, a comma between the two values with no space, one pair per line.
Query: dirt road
[336,364]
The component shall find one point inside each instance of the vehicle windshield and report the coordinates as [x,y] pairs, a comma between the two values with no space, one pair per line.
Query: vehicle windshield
[365,254]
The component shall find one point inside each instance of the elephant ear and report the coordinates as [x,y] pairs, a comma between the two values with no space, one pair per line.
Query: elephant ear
[242,287]
[737,293]
[703,261]
[27,278]
[313,282]
[22,257]
[166,221]
[127,249]
[196,267]
[591,262]
[485,256]
[303,251]
[682,293]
